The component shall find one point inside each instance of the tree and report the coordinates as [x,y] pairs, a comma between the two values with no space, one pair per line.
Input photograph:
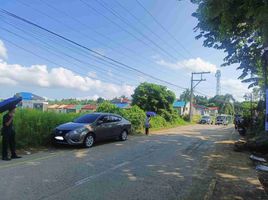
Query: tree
[186,95]
[100,100]
[200,100]
[240,28]
[153,97]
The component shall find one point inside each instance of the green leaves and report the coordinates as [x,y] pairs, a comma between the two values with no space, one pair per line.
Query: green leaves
[238,27]
[153,97]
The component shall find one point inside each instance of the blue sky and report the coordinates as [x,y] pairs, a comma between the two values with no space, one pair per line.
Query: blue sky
[127,33]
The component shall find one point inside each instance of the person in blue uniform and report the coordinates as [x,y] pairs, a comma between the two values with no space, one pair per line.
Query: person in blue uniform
[8,136]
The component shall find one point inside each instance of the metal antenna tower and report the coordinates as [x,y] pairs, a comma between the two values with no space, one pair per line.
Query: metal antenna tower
[218,87]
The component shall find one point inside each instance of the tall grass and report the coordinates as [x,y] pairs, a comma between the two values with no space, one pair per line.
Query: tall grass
[33,128]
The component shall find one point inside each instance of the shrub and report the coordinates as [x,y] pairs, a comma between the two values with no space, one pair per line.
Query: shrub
[158,122]
[135,115]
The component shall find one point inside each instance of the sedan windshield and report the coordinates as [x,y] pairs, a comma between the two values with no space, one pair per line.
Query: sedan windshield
[86,119]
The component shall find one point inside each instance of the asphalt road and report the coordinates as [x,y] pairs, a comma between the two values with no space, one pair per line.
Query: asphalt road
[166,165]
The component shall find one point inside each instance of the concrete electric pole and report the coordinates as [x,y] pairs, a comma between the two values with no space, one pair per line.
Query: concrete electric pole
[193,85]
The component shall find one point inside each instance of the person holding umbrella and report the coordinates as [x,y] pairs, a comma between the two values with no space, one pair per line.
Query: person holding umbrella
[147,124]
[8,135]
[7,131]
[147,121]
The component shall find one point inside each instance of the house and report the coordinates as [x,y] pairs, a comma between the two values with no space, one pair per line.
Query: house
[32,101]
[53,107]
[122,105]
[121,100]
[182,107]
[213,111]
[199,110]
[89,108]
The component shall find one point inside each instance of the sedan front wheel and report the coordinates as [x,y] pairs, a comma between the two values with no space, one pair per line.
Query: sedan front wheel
[89,141]
[123,136]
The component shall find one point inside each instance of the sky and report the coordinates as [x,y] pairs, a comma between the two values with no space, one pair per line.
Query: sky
[153,37]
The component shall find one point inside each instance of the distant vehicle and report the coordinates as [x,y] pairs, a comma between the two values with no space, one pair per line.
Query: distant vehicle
[222,120]
[90,128]
[206,120]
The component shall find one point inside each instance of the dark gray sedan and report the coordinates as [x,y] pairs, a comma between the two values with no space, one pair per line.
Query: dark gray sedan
[90,128]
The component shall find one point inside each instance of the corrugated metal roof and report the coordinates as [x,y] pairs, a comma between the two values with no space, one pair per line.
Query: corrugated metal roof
[29,96]
[122,105]
[89,107]
[179,104]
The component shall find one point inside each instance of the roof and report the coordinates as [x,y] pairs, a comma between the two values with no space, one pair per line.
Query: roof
[54,106]
[70,106]
[89,107]
[213,108]
[29,96]
[122,105]
[179,104]
[199,106]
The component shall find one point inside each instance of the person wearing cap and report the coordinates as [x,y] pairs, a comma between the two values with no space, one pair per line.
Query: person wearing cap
[8,135]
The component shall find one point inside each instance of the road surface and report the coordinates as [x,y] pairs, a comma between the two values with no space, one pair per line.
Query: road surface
[170,164]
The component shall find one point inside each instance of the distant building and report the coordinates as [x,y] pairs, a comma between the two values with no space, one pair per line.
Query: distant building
[182,107]
[89,108]
[72,108]
[122,105]
[213,111]
[32,101]
[121,100]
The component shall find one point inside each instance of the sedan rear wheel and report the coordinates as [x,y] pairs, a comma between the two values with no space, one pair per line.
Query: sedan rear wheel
[89,141]
[123,136]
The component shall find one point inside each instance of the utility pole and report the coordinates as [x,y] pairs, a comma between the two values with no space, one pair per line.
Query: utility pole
[193,85]
[265,66]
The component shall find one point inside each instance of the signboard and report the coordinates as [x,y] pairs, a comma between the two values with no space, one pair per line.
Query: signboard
[266,111]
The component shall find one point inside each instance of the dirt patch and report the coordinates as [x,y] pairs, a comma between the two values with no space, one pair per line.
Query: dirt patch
[234,173]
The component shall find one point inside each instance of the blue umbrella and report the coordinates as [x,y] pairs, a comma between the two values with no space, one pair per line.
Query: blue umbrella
[151,113]
[9,103]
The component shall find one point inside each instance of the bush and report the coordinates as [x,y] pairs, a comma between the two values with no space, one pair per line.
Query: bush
[135,115]
[158,122]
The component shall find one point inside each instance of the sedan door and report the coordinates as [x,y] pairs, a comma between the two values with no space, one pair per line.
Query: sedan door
[116,125]
[103,128]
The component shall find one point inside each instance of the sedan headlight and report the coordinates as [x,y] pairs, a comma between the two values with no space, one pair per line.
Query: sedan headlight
[78,131]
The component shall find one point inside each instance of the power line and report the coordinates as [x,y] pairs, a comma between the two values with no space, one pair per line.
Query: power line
[103,35]
[50,61]
[97,54]
[50,47]
[157,22]
[126,22]
[144,25]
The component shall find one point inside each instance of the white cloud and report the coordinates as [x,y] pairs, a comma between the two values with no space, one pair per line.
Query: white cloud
[235,87]
[3,50]
[92,74]
[41,76]
[191,65]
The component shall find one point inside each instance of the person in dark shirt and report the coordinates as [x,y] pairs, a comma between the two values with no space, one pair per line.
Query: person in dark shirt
[8,135]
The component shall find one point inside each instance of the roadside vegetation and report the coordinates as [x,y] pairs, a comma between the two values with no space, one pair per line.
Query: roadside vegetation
[34,127]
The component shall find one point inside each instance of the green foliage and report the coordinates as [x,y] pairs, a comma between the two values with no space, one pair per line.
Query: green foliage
[135,115]
[185,96]
[33,127]
[240,28]
[153,97]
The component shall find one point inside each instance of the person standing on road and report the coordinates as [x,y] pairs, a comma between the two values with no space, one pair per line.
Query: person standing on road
[8,135]
[147,124]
